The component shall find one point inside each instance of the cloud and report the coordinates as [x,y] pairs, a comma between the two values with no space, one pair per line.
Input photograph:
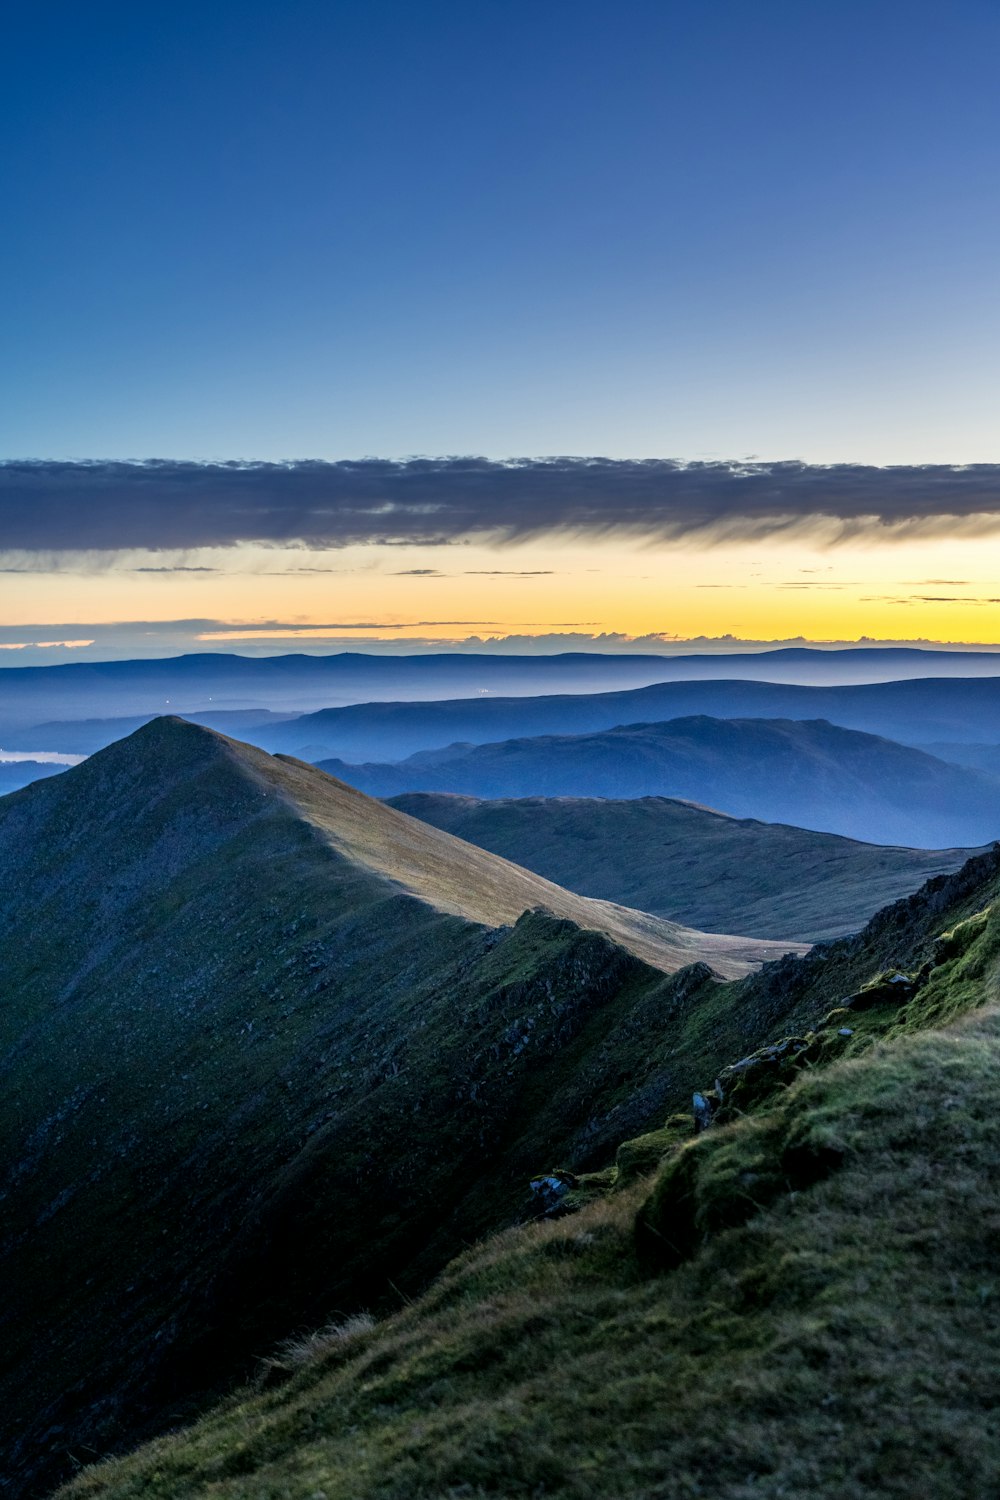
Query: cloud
[927,599]
[509,572]
[107,506]
[44,645]
[418,573]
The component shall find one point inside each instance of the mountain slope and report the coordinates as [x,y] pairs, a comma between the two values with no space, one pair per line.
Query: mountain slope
[913,711]
[801,1301]
[812,774]
[266,1048]
[692,864]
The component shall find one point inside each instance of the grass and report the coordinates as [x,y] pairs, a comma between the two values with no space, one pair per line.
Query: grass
[843,1339]
[249,1077]
[252,1072]
[690,864]
[801,1302]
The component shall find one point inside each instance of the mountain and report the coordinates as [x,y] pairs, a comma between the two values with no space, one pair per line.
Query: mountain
[978,757]
[209,682]
[691,864]
[212,681]
[812,774]
[85,736]
[269,1048]
[915,712]
[798,1299]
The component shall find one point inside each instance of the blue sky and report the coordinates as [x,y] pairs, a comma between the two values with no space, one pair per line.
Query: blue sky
[326,229]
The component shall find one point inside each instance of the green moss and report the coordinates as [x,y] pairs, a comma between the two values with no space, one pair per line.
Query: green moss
[641,1156]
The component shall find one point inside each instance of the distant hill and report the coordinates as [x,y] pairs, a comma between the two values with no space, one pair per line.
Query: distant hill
[208,682]
[17,773]
[914,712]
[978,757]
[212,681]
[85,736]
[270,1048]
[691,864]
[812,774]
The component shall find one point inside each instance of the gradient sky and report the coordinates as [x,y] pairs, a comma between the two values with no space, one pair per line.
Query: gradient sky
[329,230]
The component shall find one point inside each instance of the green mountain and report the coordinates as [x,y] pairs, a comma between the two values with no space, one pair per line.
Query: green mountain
[689,863]
[800,1300]
[809,773]
[270,1048]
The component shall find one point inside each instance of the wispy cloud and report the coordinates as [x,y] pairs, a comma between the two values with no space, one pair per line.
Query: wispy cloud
[164,504]
[44,645]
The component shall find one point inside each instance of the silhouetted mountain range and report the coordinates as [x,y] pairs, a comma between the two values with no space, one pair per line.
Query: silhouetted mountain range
[212,682]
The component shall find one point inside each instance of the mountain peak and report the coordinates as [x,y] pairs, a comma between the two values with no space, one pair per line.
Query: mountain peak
[194,786]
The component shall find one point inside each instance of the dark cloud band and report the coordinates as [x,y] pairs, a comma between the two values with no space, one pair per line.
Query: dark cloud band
[163,504]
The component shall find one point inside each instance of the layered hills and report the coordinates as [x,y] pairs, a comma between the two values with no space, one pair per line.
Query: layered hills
[916,712]
[800,1299]
[269,1049]
[213,681]
[690,863]
[813,774]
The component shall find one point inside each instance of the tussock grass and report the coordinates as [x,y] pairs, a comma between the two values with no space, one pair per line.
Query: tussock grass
[292,1353]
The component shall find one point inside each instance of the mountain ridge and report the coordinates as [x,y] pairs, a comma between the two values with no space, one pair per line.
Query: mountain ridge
[914,710]
[746,1307]
[812,774]
[231,1056]
[691,863]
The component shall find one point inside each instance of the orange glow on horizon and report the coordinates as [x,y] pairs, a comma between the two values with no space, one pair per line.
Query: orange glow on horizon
[940,590]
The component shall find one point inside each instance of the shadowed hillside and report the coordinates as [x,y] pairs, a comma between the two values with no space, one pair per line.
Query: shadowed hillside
[270,1048]
[800,1300]
[691,864]
[814,775]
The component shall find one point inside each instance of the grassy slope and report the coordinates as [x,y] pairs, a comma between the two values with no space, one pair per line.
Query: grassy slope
[812,774]
[250,1072]
[692,864]
[457,878]
[804,1302]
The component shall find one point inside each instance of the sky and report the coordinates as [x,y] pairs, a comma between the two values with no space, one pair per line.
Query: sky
[284,289]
